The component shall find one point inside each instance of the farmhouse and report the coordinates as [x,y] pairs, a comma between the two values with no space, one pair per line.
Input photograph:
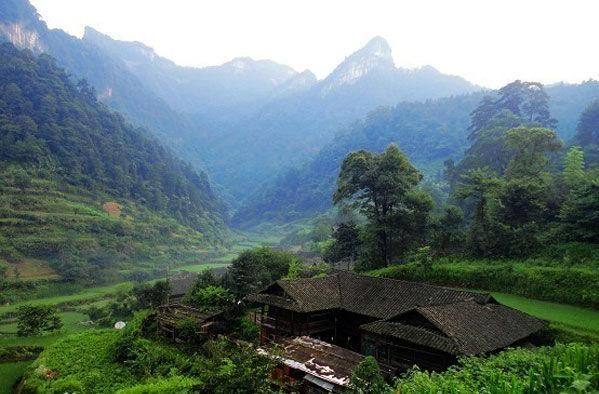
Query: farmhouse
[400,323]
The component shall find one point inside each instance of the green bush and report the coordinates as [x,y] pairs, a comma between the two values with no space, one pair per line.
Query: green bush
[211,298]
[571,368]
[127,361]
[37,319]
[367,378]
[577,285]
[174,384]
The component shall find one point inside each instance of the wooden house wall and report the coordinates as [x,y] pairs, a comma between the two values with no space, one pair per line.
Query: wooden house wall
[401,355]
[348,330]
[276,322]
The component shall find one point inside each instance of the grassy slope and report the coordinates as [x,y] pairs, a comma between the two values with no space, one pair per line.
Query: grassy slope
[560,313]
[10,374]
[571,322]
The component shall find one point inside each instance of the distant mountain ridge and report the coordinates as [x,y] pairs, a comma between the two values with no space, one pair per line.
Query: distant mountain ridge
[212,91]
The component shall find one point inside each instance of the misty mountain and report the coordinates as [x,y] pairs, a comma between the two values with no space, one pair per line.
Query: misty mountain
[428,132]
[289,129]
[244,120]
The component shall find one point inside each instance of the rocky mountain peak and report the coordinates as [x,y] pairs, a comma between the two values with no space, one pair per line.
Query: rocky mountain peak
[375,55]
[377,47]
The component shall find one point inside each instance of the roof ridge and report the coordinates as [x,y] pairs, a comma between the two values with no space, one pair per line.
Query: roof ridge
[466,301]
[437,324]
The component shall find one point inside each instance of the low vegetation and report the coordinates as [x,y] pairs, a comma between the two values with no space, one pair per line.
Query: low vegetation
[535,278]
[572,368]
[131,361]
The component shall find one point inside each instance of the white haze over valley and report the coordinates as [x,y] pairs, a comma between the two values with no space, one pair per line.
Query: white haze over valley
[489,44]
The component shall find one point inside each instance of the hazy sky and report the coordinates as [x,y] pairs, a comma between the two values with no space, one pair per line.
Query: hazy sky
[489,43]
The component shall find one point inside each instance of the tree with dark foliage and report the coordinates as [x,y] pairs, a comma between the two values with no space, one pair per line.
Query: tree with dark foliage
[255,269]
[346,244]
[587,133]
[383,187]
[37,319]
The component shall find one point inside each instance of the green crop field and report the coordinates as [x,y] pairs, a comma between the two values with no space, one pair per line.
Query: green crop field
[90,294]
[10,372]
[72,322]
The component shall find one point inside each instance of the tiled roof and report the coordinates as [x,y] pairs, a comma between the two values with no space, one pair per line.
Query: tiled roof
[383,298]
[181,283]
[378,298]
[477,328]
[461,322]
[465,327]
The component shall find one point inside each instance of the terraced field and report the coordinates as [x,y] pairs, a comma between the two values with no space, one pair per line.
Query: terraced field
[47,232]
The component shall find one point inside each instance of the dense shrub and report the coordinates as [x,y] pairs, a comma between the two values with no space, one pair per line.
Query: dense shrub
[211,298]
[559,369]
[171,384]
[37,319]
[132,360]
[233,368]
[572,285]
[367,378]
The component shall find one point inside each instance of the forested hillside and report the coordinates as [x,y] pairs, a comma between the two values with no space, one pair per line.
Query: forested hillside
[429,133]
[21,25]
[69,156]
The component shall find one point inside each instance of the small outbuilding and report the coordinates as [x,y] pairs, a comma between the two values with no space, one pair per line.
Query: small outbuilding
[171,317]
